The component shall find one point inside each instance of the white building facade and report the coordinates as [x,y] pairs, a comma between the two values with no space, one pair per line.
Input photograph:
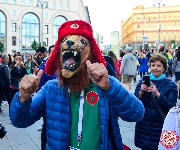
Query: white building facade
[23,21]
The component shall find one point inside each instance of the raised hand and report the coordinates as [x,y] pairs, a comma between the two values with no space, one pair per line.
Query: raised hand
[27,86]
[152,88]
[144,87]
[98,74]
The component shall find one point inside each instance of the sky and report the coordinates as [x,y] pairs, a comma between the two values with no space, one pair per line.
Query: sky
[106,15]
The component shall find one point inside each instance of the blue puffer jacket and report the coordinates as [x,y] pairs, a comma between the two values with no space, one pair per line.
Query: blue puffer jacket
[148,130]
[55,102]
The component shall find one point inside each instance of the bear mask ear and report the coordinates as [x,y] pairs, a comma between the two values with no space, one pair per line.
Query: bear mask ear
[51,64]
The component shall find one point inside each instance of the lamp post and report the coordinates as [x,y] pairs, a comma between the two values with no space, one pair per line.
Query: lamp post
[19,27]
[42,4]
[159,25]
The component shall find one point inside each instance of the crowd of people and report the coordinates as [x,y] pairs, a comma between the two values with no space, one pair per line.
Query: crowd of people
[160,96]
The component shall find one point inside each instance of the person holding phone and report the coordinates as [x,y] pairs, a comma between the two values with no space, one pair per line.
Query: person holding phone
[151,89]
[30,64]
[17,73]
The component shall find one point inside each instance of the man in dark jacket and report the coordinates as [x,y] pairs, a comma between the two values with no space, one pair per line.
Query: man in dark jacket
[4,79]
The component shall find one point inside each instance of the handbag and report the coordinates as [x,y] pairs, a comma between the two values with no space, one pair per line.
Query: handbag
[163,116]
[171,131]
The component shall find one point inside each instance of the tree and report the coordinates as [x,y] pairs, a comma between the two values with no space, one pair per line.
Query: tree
[1,47]
[35,45]
[146,47]
[173,44]
[44,44]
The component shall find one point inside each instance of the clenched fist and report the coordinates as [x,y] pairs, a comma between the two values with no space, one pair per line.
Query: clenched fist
[98,74]
[27,86]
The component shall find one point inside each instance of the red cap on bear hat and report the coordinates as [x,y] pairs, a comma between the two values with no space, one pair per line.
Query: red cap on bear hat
[75,27]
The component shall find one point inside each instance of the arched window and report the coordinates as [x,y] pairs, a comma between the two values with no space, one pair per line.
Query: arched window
[3,29]
[56,23]
[30,30]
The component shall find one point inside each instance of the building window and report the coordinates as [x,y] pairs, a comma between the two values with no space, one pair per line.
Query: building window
[3,29]
[13,1]
[46,41]
[56,23]
[13,41]
[67,4]
[46,29]
[14,12]
[30,30]
[165,18]
[22,2]
[53,4]
[30,3]
[13,27]
[60,5]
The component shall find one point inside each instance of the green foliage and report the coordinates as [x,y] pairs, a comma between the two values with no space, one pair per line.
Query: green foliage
[1,47]
[146,47]
[43,45]
[35,45]
[140,47]
[173,41]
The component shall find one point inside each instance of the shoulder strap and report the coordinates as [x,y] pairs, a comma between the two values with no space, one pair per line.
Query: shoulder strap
[163,116]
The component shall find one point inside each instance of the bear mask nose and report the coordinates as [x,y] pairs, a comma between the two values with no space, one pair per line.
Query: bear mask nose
[69,43]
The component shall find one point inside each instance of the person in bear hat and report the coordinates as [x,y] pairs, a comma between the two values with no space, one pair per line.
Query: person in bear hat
[83,105]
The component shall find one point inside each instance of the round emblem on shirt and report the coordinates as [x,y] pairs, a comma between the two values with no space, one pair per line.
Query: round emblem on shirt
[92,98]
[169,139]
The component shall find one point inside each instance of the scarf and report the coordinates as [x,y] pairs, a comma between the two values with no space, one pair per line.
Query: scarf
[152,77]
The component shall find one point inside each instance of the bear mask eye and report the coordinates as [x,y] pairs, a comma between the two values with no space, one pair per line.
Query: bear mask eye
[83,41]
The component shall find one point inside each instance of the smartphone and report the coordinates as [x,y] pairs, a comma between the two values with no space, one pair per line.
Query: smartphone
[146,79]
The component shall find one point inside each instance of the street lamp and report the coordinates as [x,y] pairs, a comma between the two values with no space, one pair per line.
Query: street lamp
[19,27]
[42,4]
[159,24]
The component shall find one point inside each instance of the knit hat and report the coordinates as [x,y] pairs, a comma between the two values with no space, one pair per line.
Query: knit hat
[75,27]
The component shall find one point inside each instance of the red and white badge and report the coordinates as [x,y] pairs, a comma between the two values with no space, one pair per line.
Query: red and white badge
[169,138]
[92,98]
